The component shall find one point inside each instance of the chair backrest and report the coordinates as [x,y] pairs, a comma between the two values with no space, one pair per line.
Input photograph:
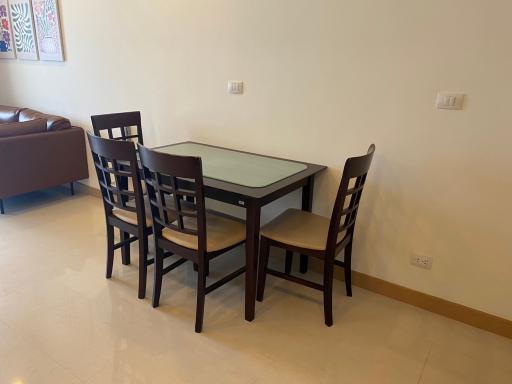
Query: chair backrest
[171,181]
[118,175]
[346,206]
[119,126]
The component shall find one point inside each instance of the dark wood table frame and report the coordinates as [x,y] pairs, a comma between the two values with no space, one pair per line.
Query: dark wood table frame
[253,199]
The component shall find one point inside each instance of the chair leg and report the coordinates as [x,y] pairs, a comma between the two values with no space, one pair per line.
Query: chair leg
[158,273]
[328,276]
[304,261]
[125,249]
[262,269]
[201,293]
[206,268]
[288,262]
[348,268]
[143,265]
[72,189]
[110,250]
[146,246]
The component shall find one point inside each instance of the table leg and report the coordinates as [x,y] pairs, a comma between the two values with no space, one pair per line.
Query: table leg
[307,205]
[251,257]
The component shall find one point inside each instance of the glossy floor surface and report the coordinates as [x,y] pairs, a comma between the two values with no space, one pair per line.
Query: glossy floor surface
[61,321]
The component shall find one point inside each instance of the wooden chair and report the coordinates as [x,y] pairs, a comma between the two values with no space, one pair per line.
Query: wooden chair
[119,178]
[181,223]
[318,236]
[118,126]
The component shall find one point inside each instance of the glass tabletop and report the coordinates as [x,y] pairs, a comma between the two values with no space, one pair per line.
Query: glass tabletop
[236,167]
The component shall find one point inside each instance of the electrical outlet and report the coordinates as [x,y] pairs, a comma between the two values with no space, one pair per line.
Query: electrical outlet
[421,261]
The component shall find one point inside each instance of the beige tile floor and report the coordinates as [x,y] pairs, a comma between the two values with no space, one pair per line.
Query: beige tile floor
[61,321]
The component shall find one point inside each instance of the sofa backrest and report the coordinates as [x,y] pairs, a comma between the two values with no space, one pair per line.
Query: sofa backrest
[9,114]
[25,128]
[54,123]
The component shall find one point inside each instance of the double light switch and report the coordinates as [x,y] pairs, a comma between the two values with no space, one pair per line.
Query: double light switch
[447,100]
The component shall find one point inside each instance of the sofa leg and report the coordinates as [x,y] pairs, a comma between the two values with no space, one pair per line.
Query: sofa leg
[72,188]
[2,211]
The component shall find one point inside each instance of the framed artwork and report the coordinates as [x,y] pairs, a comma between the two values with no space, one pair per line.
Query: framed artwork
[47,23]
[6,40]
[23,29]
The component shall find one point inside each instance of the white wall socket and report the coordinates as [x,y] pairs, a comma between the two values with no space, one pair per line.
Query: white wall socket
[235,87]
[421,261]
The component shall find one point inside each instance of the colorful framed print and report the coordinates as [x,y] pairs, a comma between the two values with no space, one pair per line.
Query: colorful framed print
[6,40]
[23,29]
[48,32]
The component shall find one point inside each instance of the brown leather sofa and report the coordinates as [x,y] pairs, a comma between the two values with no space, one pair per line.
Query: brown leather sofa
[38,151]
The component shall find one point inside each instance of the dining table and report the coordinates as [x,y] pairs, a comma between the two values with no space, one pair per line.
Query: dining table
[250,181]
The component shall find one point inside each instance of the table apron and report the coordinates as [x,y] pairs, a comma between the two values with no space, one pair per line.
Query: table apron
[226,196]
[284,191]
[241,200]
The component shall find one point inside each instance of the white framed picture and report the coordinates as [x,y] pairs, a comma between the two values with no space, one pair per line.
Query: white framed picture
[6,38]
[23,29]
[48,31]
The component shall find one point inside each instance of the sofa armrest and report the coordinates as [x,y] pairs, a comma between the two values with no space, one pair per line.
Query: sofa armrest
[41,160]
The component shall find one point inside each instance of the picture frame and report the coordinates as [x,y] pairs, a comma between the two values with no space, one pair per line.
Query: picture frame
[7,50]
[23,29]
[48,30]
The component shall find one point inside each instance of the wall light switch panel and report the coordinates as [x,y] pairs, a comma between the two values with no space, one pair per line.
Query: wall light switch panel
[448,100]
[236,87]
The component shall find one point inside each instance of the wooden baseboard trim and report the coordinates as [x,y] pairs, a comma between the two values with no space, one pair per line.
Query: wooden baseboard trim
[83,188]
[467,315]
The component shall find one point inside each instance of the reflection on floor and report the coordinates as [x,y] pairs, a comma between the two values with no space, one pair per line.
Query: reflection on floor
[61,321]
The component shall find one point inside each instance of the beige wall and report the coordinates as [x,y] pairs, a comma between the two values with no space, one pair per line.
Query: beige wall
[324,79]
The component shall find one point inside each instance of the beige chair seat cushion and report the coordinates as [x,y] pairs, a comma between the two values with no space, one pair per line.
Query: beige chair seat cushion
[221,232]
[299,229]
[131,217]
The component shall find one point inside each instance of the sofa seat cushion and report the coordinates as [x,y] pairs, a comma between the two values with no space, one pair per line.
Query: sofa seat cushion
[9,114]
[25,128]
[54,123]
